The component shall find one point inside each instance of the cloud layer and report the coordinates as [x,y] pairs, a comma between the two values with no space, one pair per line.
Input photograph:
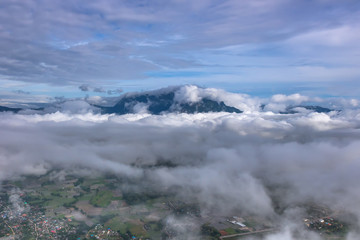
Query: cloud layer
[254,162]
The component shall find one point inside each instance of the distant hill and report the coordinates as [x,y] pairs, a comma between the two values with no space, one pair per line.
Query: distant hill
[158,103]
[318,109]
[177,99]
[7,109]
[294,109]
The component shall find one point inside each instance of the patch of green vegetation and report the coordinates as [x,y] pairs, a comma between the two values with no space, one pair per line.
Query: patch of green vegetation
[134,198]
[150,203]
[99,180]
[137,230]
[47,183]
[79,181]
[111,185]
[117,224]
[230,230]
[18,183]
[106,217]
[101,198]
[210,232]
[154,226]
[35,200]
[60,201]
[250,223]
[85,197]
[60,216]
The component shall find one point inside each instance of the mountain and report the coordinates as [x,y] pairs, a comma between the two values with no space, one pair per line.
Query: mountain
[165,102]
[7,109]
[318,109]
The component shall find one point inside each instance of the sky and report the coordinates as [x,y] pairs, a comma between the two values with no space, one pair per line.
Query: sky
[59,48]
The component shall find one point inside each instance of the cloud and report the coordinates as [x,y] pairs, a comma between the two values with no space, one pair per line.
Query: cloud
[82,43]
[84,88]
[248,163]
[115,91]
[279,102]
[182,228]
[224,161]
[21,92]
[339,36]
[187,94]
[18,206]
[295,98]
[88,88]
[192,93]
[99,90]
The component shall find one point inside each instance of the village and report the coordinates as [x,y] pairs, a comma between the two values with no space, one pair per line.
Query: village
[23,223]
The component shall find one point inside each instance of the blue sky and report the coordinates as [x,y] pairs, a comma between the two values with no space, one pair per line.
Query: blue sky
[261,47]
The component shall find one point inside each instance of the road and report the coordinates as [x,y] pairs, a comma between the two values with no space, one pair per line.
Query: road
[248,233]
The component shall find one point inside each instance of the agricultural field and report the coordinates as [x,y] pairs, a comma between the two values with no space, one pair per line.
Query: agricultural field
[101,207]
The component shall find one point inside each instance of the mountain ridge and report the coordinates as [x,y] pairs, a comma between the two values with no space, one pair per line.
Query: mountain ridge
[164,103]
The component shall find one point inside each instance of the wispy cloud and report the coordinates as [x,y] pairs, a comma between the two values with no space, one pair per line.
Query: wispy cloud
[83,43]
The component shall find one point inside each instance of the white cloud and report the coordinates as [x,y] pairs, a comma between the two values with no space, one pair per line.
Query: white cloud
[343,36]
[187,94]
[294,98]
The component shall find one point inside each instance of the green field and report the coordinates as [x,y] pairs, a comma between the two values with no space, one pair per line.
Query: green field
[102,198]
[118,224]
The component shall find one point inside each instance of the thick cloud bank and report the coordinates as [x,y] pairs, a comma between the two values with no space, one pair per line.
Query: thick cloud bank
[226,161]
